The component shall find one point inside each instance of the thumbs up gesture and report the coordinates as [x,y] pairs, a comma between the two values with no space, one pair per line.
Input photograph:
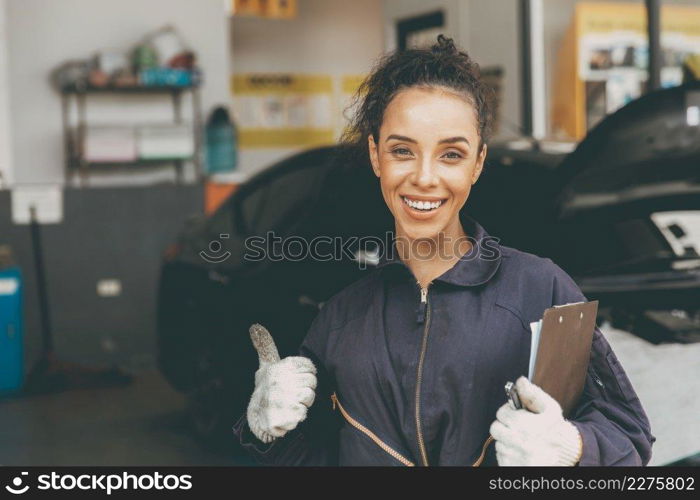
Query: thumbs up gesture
[284,389]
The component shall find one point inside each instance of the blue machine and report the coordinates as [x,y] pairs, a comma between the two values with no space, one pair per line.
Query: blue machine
[11,333]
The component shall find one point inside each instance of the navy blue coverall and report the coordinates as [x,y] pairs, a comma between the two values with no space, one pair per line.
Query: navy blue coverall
[407,377]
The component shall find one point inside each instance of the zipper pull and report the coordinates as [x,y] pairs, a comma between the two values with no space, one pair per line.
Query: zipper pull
[423,306]
[334,400]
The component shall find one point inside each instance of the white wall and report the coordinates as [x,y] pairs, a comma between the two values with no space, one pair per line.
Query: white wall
[341,37]
[44,33]
[487,29]
[336,37]
[493,39]
[5,138]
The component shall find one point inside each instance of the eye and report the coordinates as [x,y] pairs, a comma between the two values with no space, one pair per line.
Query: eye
[401,151]
[453,155]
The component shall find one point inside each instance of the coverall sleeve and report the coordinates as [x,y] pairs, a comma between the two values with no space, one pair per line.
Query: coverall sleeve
[609,416]
[315,440]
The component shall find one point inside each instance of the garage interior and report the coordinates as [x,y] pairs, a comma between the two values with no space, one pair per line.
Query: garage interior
[115,169]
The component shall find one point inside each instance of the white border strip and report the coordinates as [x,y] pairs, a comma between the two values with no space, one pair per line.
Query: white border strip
[537,60]
[5,135]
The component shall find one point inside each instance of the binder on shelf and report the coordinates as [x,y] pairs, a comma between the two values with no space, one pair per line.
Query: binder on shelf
[165,142]
[109,144]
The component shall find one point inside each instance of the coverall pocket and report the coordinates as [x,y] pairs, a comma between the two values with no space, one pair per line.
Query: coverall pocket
[621,387]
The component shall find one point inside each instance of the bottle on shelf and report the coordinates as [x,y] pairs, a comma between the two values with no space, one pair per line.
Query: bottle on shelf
[221,142]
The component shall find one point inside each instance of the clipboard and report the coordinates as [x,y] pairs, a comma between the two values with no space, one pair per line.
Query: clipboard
[563,352]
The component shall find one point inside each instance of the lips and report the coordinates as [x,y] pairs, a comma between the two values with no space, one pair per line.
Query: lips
[422,207]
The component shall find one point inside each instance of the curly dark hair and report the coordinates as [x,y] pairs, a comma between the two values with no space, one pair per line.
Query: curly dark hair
[443,65]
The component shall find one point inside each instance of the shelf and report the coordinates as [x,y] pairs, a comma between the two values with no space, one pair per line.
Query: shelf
[76,95]
[134,163]
[111,89]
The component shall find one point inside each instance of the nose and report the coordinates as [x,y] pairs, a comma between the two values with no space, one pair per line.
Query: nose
[425,175]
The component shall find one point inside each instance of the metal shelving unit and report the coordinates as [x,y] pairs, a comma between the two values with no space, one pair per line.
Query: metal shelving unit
[75,161]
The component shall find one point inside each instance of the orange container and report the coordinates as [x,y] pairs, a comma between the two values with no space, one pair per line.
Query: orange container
[215,193]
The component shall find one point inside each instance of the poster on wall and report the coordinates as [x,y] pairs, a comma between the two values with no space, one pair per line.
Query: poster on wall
[613,54]
[283,110]
[613,41]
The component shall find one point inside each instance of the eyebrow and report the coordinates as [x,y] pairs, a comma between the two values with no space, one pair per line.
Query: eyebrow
[400,138]
[449,140]
[452,140]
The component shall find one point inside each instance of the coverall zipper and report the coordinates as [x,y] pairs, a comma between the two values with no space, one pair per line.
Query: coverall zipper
[391,451]
[398,456]
[423,316]
[386,447]
[424,309]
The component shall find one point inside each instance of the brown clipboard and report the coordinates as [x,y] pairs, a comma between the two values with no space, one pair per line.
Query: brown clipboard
[564,351]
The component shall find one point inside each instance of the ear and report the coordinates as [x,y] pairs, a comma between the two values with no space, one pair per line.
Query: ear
[373,156]
[479,164]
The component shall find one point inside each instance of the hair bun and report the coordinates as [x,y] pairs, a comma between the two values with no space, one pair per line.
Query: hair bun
[445,45]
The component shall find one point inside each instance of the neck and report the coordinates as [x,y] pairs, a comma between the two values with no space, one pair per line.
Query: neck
[428,258]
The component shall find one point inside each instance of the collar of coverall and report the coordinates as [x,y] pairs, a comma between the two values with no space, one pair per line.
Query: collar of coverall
[476,267]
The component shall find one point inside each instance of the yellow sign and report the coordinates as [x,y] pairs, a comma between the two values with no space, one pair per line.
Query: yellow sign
[276,83]
[603,60]
[247,7]
[285,137]
[284,110]
[350,83]
[278,9]
[607,17]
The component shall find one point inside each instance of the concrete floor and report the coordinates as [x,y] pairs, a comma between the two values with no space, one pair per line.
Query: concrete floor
[144,424]
[666,378]
[141,424]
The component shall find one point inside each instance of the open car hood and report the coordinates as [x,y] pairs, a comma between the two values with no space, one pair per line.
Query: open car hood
[648,150]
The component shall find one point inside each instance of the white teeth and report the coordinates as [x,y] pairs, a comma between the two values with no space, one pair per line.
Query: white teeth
[422,205]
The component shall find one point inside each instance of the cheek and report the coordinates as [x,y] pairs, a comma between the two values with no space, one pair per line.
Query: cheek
[392,175]
[388,186]
[459,182]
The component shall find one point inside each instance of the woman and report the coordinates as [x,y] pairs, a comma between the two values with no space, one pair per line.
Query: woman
[407,365]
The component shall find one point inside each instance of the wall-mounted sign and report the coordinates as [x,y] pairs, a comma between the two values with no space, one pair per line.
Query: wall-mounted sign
[613,39]
[603,60]
[283,110]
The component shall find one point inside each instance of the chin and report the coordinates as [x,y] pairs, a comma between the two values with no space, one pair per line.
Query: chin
[417,232]
[421,222]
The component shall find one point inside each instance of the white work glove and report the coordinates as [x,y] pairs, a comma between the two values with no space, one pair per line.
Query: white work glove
[540,436]
[284,389]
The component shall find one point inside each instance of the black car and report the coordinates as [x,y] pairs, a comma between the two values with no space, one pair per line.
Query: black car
[592,211]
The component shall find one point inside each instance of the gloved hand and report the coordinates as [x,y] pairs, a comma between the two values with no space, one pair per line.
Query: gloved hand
[284,389]
[540,436]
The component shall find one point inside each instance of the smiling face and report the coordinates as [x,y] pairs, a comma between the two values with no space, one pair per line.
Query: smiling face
[427,158]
